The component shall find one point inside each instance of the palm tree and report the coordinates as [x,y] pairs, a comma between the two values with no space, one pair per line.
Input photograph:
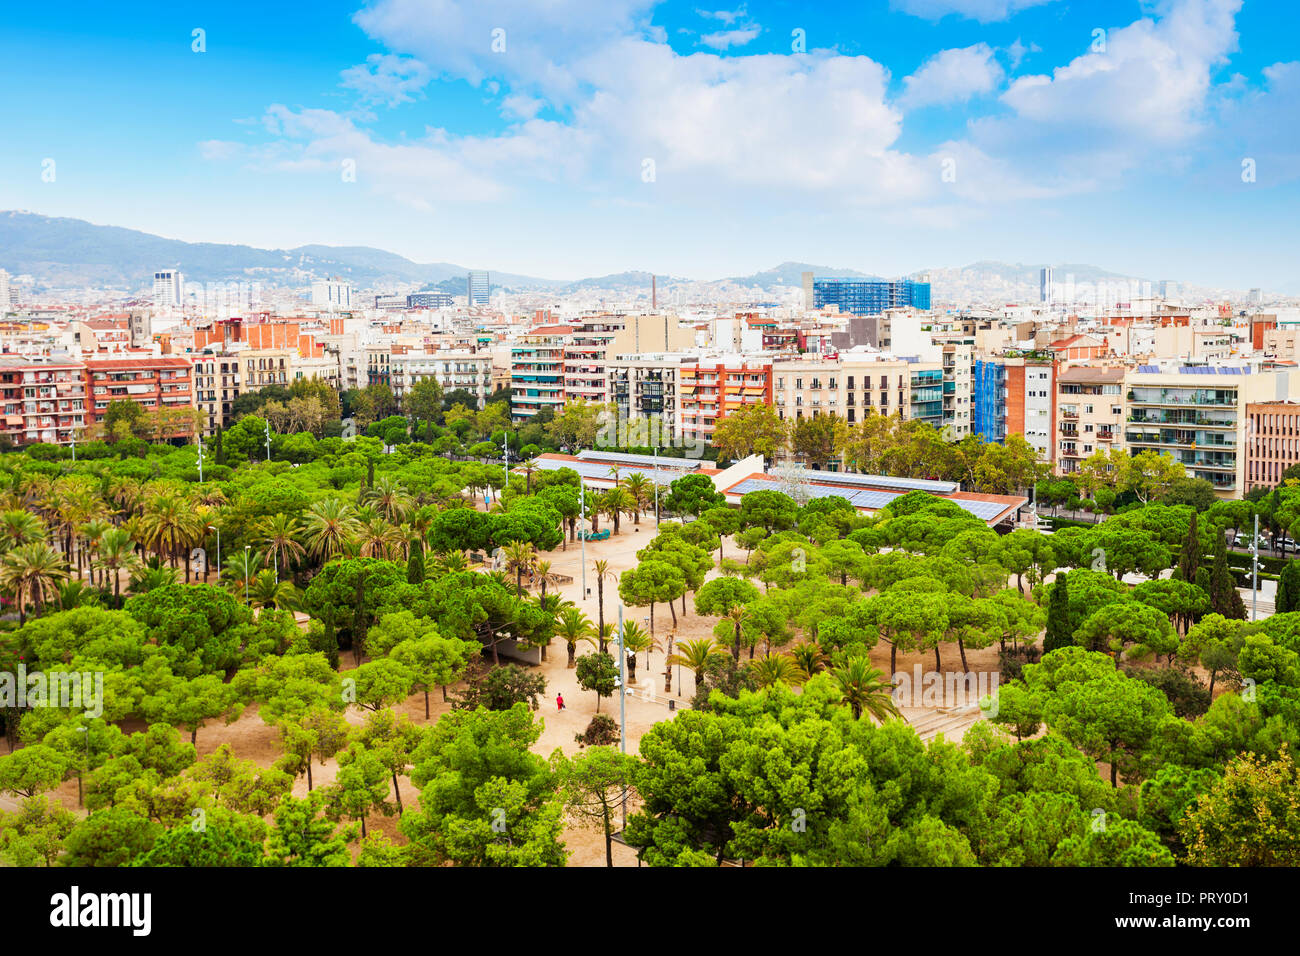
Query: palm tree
[809,658]
[453,562]
[637,640]
[520,556]
[737,618]
[116,554]
[169,524]
[20,527]
[268,591]
[602,573]
[146,577]
[772,669]
[278,533]
[241,568]
[615,503]
[543,570]
[574,627]
[330,528]
[864,688]
[639,487]
[529,467]
[390,499]
[31,573]
[73,593]
[92,531]
[376,538]
[551,605]
[697,655]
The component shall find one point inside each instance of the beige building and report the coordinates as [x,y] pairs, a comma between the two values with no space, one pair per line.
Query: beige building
[1200,417]
[1089,413]
[453,369]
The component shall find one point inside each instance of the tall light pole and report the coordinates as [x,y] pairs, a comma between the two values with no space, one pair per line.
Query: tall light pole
[622,702]
[200,436]
[1254,573]
[268,441]
[656,486]
[582,531]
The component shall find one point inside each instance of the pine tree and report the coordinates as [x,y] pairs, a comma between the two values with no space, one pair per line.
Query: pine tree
[1288,588]
[1058,616]
[415,565]
[1190,559]
[1224,598]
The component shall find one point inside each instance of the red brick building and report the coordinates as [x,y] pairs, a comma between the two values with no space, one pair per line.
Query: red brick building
[152,383]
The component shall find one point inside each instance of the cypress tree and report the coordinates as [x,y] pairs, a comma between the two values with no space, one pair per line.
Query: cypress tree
[1288,588]
[1224,598]
[1190,559]
[220,452]
[1058,633]
[415,565]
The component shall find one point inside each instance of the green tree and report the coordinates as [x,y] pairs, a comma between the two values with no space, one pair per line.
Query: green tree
[597,671]
[594,784]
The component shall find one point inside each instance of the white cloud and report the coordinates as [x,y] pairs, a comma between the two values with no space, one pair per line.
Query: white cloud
[1150,82]
[985,11]
[726,16]
[726,39]
[387,79]
[952,76]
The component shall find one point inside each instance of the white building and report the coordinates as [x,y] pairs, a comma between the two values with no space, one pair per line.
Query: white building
[168,289]
[479,288]
[332,293]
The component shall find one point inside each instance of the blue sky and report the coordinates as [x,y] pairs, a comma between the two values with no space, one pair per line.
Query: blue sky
[901,135]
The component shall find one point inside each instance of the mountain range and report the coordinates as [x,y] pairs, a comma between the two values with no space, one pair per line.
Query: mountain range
[63,253]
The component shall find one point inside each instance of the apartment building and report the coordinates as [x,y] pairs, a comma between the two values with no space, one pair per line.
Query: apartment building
[957,360]
[537,371]
[852,386]
[646,388]
[1272,442]
[153,383]
[1199,415]
[216,386]
[1031,402]
[1089,414]
[575,356]
[717,387]
[42,400]
[453,369]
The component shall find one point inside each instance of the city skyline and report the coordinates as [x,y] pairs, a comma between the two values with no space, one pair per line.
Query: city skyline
[911,135]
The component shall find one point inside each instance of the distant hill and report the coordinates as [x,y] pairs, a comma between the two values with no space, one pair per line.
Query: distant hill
[71,252]
[62,253]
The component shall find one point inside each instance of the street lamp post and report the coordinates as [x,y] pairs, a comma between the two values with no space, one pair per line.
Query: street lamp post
[622,702]
[656,486]
[1254,573]
[582,531]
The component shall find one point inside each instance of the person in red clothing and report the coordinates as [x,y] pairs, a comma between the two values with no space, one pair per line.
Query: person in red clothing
[559,701]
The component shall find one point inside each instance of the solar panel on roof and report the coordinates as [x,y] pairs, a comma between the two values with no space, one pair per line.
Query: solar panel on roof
[876,481]
[619,458]
[600,469]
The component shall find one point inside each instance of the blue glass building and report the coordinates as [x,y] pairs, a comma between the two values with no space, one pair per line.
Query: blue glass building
[870,296]
[989,414]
